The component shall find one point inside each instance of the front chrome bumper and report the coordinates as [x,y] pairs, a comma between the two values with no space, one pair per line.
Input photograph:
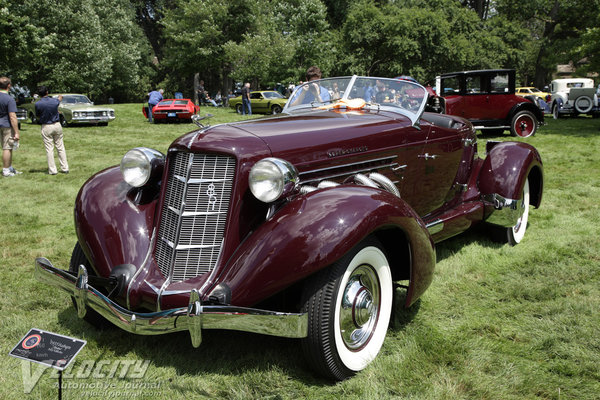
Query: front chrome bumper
[192,318]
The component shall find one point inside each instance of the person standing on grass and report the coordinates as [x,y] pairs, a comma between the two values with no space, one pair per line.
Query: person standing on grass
[46,111]
[154,97]
[246,105]
[9,127]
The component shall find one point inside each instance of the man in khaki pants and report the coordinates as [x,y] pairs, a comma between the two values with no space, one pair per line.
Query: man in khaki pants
[46,110]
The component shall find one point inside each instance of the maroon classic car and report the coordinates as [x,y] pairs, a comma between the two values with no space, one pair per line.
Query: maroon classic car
[487,98]
[172,110]
[296,225]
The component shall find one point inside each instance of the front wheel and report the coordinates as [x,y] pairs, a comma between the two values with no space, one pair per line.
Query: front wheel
[555,113]
[524,124]
[238,108]
[276,109]
[349,306]
[516,233]
[63,121]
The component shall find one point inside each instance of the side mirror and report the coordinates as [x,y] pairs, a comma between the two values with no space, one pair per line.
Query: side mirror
[197,118]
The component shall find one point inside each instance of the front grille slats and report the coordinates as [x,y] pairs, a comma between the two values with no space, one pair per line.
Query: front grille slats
[194,214]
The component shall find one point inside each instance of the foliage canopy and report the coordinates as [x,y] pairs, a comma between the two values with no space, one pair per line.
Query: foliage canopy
[123,48]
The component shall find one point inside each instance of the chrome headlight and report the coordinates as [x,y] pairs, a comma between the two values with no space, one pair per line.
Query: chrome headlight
[272,178]
[140,164]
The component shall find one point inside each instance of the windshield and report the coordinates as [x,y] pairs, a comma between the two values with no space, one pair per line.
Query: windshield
[397,95]
[272,95]
[74,99]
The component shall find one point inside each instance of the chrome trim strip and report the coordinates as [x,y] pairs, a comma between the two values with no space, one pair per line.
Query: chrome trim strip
[192,318]
[196,246]
[435,226]
[314,171]
[143,266]
[165,292]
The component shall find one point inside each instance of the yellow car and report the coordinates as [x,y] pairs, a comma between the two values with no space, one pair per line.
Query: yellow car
[266,101]
[531,91]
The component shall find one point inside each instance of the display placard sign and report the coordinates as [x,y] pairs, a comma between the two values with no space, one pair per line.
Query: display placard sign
[48,348]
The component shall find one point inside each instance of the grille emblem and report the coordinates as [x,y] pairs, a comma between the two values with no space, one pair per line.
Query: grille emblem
[212,198]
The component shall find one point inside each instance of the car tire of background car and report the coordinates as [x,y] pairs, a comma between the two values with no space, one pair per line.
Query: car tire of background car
[349,307]
[555,113]
[524,124]
[33,118]
[276,109]
[515,234]
[78,258]
[63,121]
[583,104]
[238,108]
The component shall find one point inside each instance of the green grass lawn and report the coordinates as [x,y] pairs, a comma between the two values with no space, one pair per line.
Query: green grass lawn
[498,322]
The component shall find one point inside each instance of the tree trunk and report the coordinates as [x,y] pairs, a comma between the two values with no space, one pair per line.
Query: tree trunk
[196,83]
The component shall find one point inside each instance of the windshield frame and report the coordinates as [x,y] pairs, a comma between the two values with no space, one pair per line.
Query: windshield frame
[413,114]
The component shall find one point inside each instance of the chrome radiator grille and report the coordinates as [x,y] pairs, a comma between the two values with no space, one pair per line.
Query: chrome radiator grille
[194,214]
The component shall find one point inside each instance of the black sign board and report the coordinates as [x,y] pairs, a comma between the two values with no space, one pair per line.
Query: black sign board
[48,348]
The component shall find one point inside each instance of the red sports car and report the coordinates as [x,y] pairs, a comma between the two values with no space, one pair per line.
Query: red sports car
[177,110]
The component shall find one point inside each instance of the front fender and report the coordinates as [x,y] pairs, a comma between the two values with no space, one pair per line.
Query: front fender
[313,231]
[112,226]
[505,169]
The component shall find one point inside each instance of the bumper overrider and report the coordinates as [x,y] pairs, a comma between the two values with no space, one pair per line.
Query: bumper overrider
[193,318]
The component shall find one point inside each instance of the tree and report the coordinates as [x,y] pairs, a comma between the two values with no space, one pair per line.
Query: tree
[88,46]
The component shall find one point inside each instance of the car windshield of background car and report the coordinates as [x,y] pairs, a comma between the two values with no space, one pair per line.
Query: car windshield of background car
[70,99]
[272,95]
[395,95]
[450,86]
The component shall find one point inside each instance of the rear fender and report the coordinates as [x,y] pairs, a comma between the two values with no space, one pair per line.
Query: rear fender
[528,106]
[505,169]
[313,231]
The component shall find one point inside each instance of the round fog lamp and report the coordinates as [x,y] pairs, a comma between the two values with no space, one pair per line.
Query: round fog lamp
[138,164]
[272,178]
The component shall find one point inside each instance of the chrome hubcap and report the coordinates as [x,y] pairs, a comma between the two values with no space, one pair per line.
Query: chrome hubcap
[360,307]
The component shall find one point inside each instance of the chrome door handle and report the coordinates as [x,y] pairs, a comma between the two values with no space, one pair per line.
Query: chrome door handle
[428,156]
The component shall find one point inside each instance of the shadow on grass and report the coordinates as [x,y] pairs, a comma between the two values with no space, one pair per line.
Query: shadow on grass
[222,352]
[483,234]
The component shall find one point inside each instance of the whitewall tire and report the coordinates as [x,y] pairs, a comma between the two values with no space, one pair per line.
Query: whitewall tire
[349,307]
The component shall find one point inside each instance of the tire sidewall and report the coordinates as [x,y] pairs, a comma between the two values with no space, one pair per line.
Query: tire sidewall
[515,236]
[357,360]
[531,116]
